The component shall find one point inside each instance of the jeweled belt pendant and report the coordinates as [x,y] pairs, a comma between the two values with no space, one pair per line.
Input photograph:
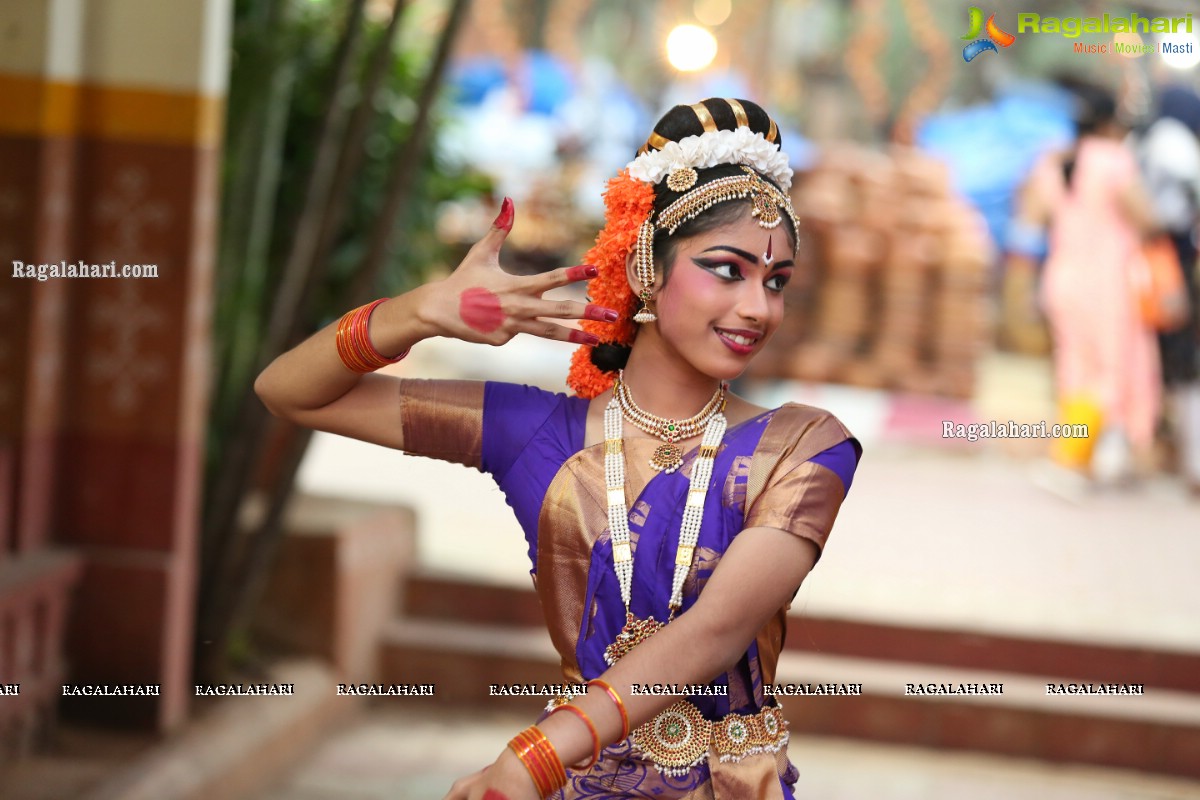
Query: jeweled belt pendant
[634,633]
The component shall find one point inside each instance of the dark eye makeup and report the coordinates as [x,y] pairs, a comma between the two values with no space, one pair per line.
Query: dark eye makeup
[718,266]
[731,271]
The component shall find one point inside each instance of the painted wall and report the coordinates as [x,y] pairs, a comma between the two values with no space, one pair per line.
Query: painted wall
[110,120]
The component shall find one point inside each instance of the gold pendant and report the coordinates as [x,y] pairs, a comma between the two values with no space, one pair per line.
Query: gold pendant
[676,739]
[667,458]
[634,633]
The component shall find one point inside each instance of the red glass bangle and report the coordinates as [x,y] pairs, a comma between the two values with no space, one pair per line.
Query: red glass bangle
[579,712]
[354,345]
[523,746]
[540,759]
[616,698]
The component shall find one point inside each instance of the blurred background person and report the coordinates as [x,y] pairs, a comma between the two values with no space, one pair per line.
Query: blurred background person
[1090,199]
[1169,152]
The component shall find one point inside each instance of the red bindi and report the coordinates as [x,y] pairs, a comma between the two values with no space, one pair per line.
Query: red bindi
[480,309]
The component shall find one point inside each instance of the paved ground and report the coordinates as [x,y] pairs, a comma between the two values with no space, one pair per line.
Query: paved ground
[389,756]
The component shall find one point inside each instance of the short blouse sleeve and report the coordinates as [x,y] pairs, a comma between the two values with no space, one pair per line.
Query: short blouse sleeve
[482,424]
[443,419]
[801,473]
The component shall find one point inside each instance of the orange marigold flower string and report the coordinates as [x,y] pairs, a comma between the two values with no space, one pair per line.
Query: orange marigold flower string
[628,203]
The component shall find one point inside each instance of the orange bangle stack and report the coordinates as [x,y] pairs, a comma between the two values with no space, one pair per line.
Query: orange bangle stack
[540,760]
[579,712]
[354,344]
[616,698]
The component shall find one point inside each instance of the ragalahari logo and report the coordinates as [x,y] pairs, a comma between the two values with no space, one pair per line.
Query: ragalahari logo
[994,37]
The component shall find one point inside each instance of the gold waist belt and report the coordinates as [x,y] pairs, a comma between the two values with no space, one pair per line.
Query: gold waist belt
[679,737]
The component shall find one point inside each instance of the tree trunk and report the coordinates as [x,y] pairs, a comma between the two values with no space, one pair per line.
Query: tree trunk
[224,543]
[354,144]
[255,148]
[239,568]
[251,579]
[400,179]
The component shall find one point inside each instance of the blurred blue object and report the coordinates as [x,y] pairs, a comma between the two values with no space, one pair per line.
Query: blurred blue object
[544,81]
[472,79]
[991,148]
[800,151]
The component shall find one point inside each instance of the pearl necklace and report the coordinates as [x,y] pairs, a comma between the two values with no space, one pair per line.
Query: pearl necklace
[669,456]
[636,631]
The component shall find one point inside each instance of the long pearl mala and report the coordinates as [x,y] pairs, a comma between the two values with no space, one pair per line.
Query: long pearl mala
[618,512]
[693,510]
[618,520]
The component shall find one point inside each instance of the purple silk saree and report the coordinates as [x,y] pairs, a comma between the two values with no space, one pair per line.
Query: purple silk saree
[788,468]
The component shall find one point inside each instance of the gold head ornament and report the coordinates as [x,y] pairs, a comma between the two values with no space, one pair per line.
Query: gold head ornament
[768,206]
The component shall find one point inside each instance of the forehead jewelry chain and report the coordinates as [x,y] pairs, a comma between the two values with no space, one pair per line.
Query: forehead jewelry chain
[635,631]
[668,456]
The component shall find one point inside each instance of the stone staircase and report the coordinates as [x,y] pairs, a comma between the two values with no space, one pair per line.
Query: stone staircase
[464,635]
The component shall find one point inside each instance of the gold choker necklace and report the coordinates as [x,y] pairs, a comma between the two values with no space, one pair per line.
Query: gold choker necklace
[668,456]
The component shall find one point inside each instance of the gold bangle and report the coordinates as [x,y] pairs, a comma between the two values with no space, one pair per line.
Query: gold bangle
[616,698]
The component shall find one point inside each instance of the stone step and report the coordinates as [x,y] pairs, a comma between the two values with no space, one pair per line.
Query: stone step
[235,747]
[443,597]
[464,659]
[1156,732]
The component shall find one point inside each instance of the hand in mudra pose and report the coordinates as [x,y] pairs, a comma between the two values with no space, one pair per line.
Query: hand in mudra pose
[320,383]
[480,302]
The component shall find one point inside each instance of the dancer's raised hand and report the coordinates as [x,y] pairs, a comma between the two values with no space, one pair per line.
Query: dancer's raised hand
[480,302]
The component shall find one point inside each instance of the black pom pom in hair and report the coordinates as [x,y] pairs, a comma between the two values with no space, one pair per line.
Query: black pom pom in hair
[610,357]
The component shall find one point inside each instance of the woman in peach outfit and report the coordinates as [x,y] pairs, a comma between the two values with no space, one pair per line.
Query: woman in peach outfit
[1105,357]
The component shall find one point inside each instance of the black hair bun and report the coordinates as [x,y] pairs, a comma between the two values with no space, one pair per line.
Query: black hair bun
[686,120]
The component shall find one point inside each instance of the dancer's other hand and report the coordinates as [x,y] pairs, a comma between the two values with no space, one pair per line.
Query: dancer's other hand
[506,779]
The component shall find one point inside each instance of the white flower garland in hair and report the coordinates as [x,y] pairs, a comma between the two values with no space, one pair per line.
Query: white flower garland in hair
[741,146]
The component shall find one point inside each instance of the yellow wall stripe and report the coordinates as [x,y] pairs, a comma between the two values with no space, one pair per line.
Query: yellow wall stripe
[30,106]
[33,107]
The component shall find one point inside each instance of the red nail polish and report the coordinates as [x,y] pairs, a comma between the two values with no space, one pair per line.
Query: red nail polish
[599,313]
[492,794]
[581,272]
[583,337]
[504,220]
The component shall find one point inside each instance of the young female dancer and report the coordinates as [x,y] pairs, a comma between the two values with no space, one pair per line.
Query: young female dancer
[669,522]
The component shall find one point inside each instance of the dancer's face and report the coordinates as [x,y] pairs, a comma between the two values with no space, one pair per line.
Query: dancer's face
[723,298]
